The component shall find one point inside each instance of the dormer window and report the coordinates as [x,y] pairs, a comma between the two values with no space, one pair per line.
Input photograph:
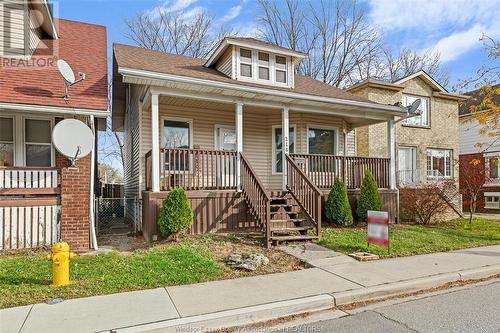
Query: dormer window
[263,66]
[280,69]
[245,62]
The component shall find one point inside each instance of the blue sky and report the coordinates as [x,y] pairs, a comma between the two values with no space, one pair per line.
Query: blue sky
[452,28]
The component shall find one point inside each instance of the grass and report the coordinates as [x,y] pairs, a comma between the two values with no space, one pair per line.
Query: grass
[25,278]
[406,240]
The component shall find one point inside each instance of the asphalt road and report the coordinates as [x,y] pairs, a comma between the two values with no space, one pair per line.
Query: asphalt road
[475,309]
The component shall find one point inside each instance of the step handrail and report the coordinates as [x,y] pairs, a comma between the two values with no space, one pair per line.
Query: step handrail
[257,197]
[305,193]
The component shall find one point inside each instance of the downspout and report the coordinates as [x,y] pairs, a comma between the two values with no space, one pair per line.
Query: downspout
[91,199]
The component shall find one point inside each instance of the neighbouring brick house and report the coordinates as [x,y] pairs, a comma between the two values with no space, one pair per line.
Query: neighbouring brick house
[42,199]
[427,145]
[475,145]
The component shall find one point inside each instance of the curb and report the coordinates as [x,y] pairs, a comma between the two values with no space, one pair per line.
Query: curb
[265,312]
[236,317]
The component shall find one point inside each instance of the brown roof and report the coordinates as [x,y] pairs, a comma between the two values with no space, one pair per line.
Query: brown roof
[475,99]
[132,57]
[83,46]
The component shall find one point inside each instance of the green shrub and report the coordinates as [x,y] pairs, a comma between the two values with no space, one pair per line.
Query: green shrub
[176,215]
[338,209]
[369,197]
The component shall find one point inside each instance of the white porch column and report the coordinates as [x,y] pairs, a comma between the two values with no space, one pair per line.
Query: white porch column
[238,117]
[155,143]
[391,152]
[285,144]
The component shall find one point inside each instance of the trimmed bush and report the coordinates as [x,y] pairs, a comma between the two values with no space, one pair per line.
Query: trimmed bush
[176,215]
[338,209]
[369,197]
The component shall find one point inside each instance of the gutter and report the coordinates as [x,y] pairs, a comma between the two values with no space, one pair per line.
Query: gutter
[54,109]
[394,110]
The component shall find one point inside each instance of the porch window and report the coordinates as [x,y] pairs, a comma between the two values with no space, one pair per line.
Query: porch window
[278,147]
[177,134]
[245,62]
[423,119]
[280,69]
[6,141]
[322,141]
[439,163]
[38,145]
[263,66]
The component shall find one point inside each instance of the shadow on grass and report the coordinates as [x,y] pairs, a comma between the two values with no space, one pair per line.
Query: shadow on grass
[12,280]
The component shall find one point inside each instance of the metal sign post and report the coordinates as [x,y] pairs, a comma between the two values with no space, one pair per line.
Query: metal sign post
[378,228]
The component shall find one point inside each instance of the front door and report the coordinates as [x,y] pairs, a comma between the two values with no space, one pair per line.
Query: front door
[407,165]
[225,139]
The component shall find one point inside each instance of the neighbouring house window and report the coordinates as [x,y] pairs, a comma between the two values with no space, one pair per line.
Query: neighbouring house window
[278,147]
[423,119]
[492,200]
[37,140]
[6,141]
[177,134]
[494,168]
[245,62]
[263,66]
[439,163]
[280,69]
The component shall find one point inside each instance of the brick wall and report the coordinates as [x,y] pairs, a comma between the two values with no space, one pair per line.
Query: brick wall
[75,190]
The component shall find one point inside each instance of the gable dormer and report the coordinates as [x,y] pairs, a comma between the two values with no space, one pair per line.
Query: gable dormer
[252,60]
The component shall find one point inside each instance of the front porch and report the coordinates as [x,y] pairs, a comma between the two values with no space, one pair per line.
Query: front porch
[241,170]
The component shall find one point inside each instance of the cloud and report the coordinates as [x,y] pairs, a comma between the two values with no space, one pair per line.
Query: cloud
[170,6]
[232,13]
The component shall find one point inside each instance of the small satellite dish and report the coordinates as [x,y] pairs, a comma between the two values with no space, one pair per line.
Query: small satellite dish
[413,108]
[73,139]
[68,75]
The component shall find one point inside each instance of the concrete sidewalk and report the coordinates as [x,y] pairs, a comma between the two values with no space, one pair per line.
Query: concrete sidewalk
[335,280]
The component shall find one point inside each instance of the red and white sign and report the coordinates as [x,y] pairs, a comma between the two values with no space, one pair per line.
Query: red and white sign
[378,228]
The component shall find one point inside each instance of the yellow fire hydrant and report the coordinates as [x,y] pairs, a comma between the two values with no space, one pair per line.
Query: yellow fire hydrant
[60,257]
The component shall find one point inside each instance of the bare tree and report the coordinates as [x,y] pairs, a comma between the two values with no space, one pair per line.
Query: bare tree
[175,32]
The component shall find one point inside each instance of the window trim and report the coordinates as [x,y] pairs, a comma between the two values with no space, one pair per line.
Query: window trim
[52,151]
[259,65]
[428,99]
[273,148]
[451,163]
[487,157]
[323,127]
[168,118]
[14,153]
[217,127]
[492,205]
[272,68]
[245,62]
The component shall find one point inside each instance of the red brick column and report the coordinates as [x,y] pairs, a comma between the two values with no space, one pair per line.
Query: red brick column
[75,191]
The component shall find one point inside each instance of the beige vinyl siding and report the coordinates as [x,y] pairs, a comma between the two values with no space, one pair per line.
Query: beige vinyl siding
[257,133]
[224,64]
[12,14]
[132,153]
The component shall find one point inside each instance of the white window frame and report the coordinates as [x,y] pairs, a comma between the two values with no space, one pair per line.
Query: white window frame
[242,60]
[260,63]
[14,148]
[329,128]
[162,138]
[427,165]
[52,152]
[217,127]
[272,68]
[425,101]
[273,157]
[285,69]
[492,204]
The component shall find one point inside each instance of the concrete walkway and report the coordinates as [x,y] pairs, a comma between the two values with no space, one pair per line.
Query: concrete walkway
[336,279]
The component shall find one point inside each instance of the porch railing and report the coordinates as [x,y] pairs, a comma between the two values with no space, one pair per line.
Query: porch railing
[194,169]
[257,198]
[322,169]
[305,193]
[28,180]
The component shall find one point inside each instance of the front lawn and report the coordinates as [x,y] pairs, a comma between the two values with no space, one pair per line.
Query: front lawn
[408,240]
[26,278]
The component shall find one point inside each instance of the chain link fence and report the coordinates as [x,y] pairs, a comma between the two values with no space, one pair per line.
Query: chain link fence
[113,215]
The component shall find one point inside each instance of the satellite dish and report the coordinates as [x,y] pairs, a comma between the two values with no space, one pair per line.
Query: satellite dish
[413,108]
[68,75]
[73,139]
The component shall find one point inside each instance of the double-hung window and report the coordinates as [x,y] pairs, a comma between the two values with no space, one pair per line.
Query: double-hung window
[439,163]
[280,63]
[246,63]
[37,142]
[278,146]
[423,119]
[6,141]
[263,66]
[177,134]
